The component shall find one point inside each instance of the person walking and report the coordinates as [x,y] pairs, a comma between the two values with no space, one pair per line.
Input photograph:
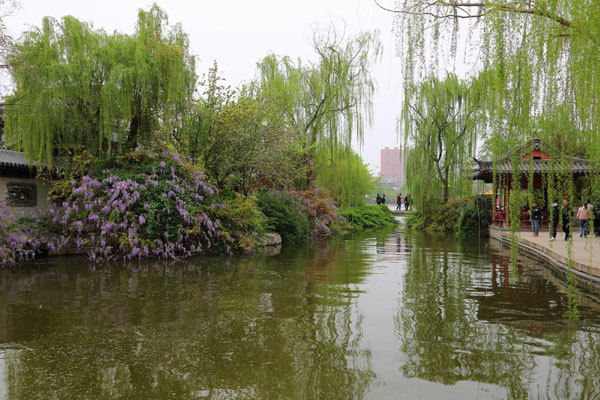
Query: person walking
[566,215]
[554,217]
[536,218]
[378,199]
[399,202]
[406,203]
[590,210]
[583,216]
[383,199]
[597,220]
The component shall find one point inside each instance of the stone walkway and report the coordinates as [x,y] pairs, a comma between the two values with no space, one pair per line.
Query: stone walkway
[586,251]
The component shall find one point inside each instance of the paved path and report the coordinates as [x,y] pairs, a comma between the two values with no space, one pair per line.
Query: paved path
[586,251]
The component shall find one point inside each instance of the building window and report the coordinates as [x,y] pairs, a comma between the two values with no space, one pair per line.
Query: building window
[21,194]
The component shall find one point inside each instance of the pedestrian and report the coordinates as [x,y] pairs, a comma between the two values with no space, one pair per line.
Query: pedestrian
[590,210]
[536,218]
[583,216]
[597,220]
[399,202]
[383,199]
[406,203]
[378,199]
[566,215]
[554,216]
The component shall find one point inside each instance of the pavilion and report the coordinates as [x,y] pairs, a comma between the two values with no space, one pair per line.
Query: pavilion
[533,160]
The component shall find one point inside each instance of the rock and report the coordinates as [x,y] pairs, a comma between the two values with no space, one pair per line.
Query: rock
[271,239]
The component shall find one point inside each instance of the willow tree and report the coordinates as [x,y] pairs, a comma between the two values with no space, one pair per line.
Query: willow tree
[439,120]
[328,101]
[533,58]
[536,55]
[345,175]
[80,88]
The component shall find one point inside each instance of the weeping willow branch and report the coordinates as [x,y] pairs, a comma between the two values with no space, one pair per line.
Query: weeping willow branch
[436,10]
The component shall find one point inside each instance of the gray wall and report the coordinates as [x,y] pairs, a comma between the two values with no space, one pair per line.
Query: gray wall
[42,194]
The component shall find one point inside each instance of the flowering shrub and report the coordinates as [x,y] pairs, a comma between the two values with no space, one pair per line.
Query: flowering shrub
[320,210]
[17,242]
[142,205]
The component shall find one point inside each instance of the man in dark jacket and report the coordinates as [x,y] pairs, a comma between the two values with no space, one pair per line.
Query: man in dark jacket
[536,218]
[566,216]
[554,217]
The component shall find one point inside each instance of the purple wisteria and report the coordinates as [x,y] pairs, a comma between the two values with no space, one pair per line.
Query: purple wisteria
[320,209]
[145,206]
[18,242]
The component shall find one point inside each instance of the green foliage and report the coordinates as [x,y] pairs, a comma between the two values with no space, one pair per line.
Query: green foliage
[80,88]
[439,120]
[242,222]
[233,135]
[474,218]
[326,102]
[344,174]
[320,209]
[284,215]
[367,217]
[437,218]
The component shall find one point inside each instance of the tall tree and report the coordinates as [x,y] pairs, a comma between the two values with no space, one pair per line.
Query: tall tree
[537,55]
[440,120]
[327,101]
[77,87]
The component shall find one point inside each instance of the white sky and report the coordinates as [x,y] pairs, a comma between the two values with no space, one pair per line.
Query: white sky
[238,33]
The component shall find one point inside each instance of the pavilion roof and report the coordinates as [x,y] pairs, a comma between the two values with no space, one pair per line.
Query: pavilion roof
[540,161]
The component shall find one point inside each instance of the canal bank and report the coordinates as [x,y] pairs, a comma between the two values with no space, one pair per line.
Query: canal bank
[586,264]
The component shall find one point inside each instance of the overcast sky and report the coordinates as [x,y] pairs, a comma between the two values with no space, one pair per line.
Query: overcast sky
[237,33]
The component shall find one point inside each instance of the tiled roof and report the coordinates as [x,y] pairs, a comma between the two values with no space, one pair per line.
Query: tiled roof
[13,159]
[577,166]
[504,166]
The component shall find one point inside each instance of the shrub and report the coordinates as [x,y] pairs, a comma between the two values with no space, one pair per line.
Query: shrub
[367,217]
[284,215]
[474,218]
[242,222]
[320,210]
[141,205]
[438,218]
[18,241]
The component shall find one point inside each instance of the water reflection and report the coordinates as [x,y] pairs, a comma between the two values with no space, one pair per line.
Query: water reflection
[381,314]
[251,327]
[466,317]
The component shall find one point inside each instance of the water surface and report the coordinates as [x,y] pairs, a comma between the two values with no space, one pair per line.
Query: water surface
[377,315]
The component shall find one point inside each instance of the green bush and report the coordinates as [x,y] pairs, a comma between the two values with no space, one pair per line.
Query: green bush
[284,215]
[242,222]
[367,217]
[437,218]
[474,218]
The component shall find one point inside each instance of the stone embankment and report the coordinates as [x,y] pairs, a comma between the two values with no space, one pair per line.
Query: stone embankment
[585,254]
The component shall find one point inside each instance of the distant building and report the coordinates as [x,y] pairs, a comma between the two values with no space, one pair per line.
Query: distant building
[392,165]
